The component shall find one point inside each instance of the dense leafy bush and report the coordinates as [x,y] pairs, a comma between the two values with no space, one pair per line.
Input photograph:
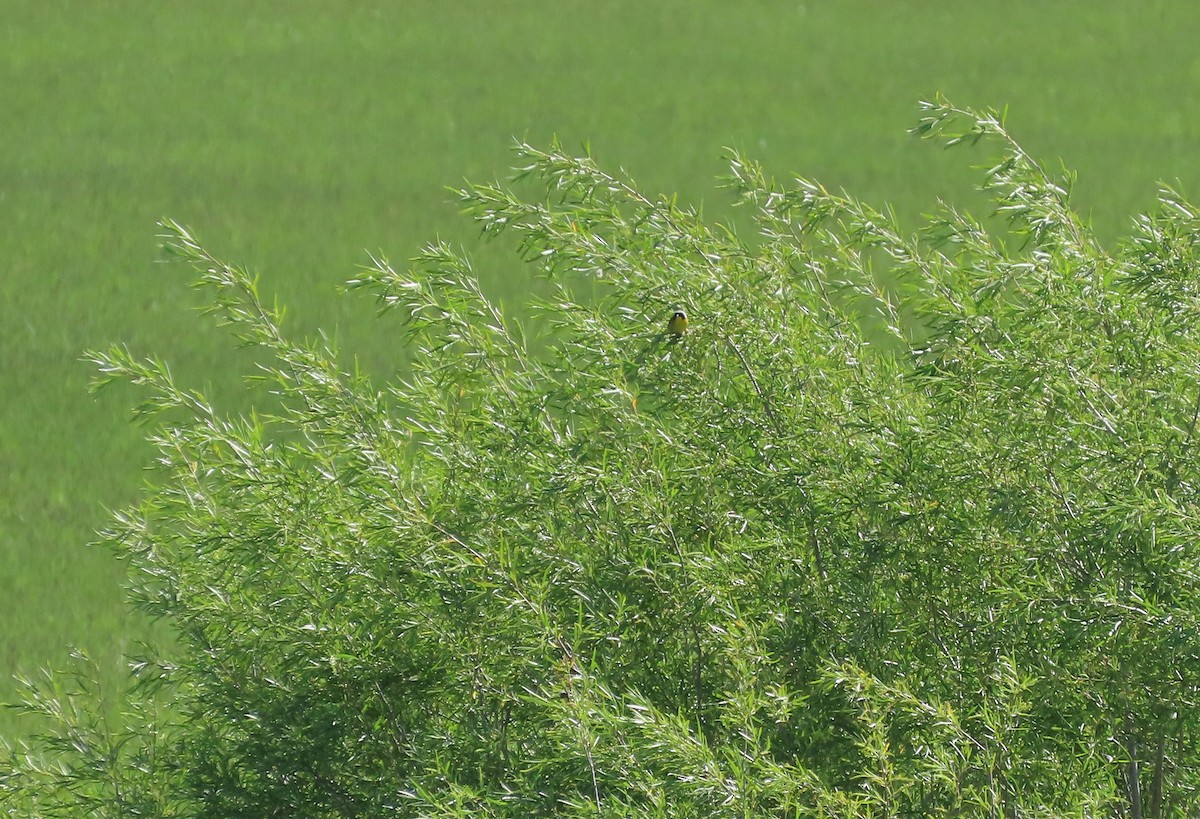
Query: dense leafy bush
[901,526]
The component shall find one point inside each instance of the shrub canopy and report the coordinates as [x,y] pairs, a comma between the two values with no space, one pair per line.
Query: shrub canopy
[901,526]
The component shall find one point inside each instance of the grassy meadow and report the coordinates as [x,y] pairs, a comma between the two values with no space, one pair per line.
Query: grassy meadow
[294,141]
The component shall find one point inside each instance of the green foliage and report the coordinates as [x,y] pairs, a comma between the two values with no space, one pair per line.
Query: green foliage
[902,526]
[263,132]
[91,762]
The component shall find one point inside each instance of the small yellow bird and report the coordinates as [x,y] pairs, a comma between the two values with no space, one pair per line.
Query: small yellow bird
[678,324]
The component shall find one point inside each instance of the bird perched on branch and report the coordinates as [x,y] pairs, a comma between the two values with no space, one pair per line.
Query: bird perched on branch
[677,325]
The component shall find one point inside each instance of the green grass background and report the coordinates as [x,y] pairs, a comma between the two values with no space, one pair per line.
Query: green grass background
[294,137]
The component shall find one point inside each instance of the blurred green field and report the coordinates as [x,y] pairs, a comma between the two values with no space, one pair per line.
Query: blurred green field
[293,138]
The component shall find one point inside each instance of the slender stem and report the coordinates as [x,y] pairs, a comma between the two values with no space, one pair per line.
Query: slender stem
[762,396]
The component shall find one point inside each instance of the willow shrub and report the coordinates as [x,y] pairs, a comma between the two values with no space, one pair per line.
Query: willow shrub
[902,526]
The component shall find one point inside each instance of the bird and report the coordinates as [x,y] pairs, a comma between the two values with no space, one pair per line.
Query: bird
[677,325]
